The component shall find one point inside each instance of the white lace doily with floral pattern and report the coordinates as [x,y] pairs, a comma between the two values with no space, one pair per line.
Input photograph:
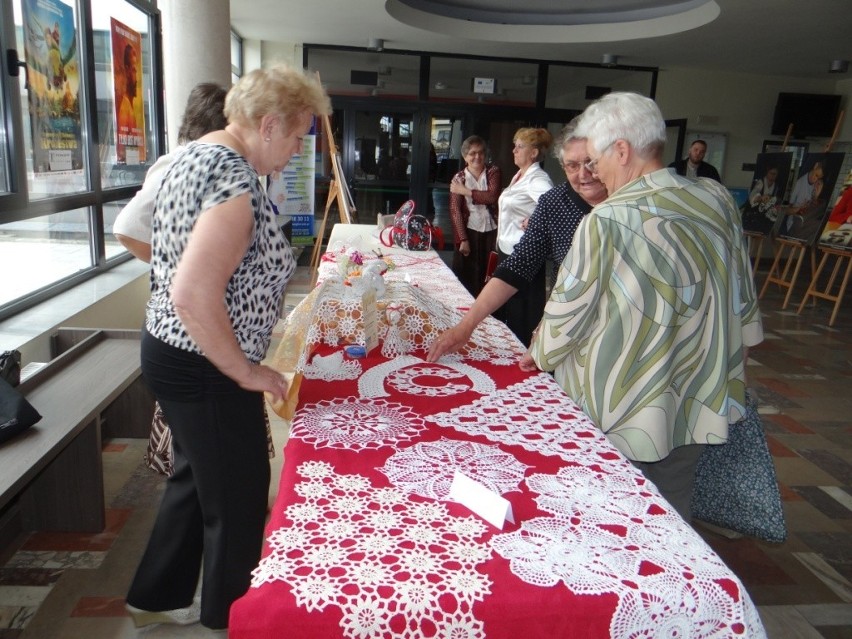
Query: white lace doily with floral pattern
[394,567]
[427,468]
[356,424]
[668,581]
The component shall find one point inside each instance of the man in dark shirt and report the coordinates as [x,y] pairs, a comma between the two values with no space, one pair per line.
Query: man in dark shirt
[694,166]
[548,236]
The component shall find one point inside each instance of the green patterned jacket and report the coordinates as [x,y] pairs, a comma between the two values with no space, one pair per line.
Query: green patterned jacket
[651,309]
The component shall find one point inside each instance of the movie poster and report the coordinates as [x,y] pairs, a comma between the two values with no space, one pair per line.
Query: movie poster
[53,83]
[129,105]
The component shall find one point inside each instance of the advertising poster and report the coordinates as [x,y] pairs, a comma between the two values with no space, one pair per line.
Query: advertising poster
[292,190]
[53,75]
[129,106]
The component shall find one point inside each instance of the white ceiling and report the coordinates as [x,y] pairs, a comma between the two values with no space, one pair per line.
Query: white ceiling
[776,37]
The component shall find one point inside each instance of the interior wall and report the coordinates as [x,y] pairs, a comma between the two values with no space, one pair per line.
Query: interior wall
[740,105]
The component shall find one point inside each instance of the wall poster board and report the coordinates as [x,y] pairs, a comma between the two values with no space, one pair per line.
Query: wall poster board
[53,92]
[292,190]
[129,104]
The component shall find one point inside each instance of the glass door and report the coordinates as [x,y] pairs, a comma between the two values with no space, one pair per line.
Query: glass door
[383,146]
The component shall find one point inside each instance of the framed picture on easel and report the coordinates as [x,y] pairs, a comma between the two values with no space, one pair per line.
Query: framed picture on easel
[804,215]
[766,193]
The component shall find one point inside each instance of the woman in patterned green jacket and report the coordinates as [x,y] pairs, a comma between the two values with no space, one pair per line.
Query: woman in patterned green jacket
[654,306]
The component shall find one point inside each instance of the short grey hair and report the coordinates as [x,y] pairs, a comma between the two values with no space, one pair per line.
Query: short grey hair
[624,116]
[566,135]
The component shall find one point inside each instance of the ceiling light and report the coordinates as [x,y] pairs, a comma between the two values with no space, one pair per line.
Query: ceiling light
[609,60]
[839,66]
[376,44]
[439,86]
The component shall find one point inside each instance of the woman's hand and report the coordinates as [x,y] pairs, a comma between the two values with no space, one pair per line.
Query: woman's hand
[464,247]
[527,363]
[460,189]
[448,342]
[264,379]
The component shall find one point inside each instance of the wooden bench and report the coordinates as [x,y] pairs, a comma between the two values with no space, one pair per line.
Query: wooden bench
[51,476]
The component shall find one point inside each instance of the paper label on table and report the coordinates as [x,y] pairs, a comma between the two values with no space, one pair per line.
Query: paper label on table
[481,500]
[370,317]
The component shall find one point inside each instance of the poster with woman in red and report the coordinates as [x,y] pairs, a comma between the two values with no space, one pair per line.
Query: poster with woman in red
[129,105]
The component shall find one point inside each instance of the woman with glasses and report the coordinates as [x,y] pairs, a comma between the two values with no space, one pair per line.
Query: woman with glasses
[547,239]
[648,325]
[517,203]
[473,212]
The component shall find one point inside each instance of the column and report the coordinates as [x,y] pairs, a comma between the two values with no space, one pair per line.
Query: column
[196,48]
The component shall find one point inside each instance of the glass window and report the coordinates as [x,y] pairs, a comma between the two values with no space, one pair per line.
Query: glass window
[573,87]
[111,211]
[490,81]
[124,92]
[383,146]
[236,57]
[52,96]
[52,246]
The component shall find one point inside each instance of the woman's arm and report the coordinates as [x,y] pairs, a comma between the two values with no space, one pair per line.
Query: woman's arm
[492,194]
[218,243]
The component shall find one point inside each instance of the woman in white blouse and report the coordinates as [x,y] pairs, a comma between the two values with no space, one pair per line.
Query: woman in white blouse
[517,202]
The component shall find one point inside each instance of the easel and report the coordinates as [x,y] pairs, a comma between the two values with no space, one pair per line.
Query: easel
[337,192]
[797,247]
[826,294]
[792,261]
[841,254]
[754,242]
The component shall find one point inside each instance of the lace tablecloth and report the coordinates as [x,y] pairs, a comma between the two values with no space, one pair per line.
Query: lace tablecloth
[364,541]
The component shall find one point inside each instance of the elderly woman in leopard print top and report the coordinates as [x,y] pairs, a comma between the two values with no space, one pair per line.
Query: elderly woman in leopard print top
[218,270]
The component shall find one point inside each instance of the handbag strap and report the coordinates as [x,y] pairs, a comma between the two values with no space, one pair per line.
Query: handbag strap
[389,240]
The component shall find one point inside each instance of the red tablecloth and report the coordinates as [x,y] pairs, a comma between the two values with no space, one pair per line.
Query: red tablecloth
[363,540]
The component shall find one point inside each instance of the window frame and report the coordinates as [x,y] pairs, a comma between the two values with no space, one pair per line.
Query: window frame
[15,205]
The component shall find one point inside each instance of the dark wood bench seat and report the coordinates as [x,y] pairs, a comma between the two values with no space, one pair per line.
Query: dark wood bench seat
[51,476]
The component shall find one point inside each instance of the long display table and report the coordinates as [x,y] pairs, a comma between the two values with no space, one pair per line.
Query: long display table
[364,540]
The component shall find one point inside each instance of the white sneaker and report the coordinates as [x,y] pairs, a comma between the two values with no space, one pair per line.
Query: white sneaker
[178,616]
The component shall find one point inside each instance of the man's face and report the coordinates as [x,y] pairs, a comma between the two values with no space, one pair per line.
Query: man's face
[697,152]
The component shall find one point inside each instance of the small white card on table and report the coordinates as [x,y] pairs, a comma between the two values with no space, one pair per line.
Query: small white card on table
[481,500]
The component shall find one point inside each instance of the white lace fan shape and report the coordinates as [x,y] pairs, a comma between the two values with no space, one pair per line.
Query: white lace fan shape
[427,468]
[393,567]
[408,374]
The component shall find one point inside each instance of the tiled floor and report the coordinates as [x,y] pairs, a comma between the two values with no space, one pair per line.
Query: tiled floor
[71,586]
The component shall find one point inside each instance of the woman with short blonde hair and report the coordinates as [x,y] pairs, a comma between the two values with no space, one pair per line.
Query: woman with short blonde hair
[219,266]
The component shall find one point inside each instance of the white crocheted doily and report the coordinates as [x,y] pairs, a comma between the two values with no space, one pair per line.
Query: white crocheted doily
[379,558]
[668,581]
[356,424]
[427,468]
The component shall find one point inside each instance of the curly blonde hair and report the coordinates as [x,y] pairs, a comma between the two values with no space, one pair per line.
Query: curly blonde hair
[279,89]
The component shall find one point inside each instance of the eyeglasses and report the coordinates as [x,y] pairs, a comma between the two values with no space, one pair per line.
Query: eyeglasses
[592,165]
[572,166]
